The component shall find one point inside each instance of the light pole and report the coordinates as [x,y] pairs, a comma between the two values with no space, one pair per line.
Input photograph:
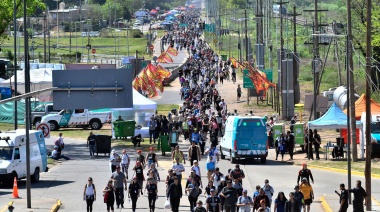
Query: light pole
[57,22]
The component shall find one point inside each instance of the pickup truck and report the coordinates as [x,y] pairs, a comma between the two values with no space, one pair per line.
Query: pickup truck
[41,111]
[77,118]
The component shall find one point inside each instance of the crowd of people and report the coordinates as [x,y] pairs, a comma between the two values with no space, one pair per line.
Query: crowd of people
[200,120]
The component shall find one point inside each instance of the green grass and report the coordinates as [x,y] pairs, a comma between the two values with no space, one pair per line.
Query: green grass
[166,108]
[358,166]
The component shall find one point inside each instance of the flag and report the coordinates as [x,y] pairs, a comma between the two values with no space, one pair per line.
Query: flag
[160,86]
[151,89]
[172,51]
[144,79]
[163,72]
[136,83]
[161,59]
[236,63]
[167,57]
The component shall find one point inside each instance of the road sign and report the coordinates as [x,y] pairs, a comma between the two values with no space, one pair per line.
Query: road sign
[247,83]
[269,74]
[45,129]
[151,47]
[93,51]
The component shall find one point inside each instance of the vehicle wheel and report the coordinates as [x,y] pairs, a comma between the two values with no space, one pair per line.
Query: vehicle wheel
[36,122]
[232,159]
[163,153]
[95,125]
[53,125]
[221,154]
[36,176]
[263,160]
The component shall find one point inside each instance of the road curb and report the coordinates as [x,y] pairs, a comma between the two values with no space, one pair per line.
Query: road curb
[325,205]
[377,176]
[5,209]
[56,206]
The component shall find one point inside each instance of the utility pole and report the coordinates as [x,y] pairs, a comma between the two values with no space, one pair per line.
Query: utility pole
[280,74]
[367,171]
[15,60]
[296,61]
[316,57]
[351,87]
[246,47]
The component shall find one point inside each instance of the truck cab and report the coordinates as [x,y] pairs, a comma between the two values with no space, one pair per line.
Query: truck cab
[77,118]
[40,111]
[244,138]
[13,155]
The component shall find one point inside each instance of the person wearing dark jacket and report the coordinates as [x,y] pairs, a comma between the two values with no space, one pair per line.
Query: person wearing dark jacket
[174,194]
[305,172]
[291,204]
[258,198]
[343,198]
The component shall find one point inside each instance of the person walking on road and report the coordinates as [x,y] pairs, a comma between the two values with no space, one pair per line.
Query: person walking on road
[178,154]
[263,206]
[151,158]
[292,204]
[125,161]
[91,142]
[174,194]
[89,194]
[269,191]
[193,192]
[239,92]
[152,190]
[244,202]
[174,138]
[139,174]
[194,153]
[279,202]
[257,200]
[359,196]
[343,198]
[114,160]
[230,197]
[178,168]
[140,158]
[298,196]
[290,143]
[213,202]
[109,197]
[305,173]
[134,190]
[307,192]
[199,207]
[120,183]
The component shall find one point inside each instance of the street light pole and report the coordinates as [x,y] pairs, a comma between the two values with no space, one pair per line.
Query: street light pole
[57,22]
[15,60]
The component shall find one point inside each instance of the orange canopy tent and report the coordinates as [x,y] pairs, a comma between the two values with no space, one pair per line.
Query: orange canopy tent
[360,107]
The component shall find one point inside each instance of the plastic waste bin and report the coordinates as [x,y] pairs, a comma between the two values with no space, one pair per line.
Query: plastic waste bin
[124,129]
[163,144]
[103,144]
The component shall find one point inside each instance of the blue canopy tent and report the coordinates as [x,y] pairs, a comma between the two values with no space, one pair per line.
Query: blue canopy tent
[334,118]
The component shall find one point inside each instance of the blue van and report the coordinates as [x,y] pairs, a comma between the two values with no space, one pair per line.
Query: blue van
[244,138]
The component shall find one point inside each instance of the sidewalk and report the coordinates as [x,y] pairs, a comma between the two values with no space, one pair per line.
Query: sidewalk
[38,205]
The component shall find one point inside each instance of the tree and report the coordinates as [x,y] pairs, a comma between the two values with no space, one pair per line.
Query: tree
[6,14]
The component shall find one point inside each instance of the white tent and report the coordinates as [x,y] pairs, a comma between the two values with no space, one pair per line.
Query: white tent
[39,79]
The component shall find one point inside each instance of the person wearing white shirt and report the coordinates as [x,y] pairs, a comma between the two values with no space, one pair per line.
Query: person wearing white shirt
[178,168]
[125,160]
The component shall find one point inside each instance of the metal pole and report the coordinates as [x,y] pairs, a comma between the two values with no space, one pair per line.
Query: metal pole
[15,60]
[27,112]
[316,56]
[367,170]
[348,117]
[246,47]
[44,37]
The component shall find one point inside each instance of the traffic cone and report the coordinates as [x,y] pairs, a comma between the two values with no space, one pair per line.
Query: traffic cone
[15,189]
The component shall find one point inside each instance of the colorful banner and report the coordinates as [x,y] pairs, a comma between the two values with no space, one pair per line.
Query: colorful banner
[172,51]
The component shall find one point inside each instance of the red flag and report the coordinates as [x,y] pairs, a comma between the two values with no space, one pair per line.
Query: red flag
[236,63]
[136,83]
[167,57]
[172,51]
[151,89]
[163,72]
[161,59]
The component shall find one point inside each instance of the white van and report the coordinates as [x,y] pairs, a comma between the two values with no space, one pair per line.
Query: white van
[244,138]
[13,155]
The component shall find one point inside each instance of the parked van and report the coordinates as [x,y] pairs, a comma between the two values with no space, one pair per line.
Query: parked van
[375,133]
[13,155]
[244,138]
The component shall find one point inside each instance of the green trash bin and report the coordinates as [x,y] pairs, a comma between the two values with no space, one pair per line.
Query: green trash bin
[299,133]
[124,129]
[224,57]
[277,130]
[163,144]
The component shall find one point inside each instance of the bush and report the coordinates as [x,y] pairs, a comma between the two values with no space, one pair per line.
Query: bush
[136,33]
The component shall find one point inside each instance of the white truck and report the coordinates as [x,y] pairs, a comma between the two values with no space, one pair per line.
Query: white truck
[77,118]
[375,132]
[13,155]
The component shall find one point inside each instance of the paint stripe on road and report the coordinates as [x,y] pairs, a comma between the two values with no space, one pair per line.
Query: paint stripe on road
[375,201]
[377,176]
[325,205]
[5,209]
[166,165]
